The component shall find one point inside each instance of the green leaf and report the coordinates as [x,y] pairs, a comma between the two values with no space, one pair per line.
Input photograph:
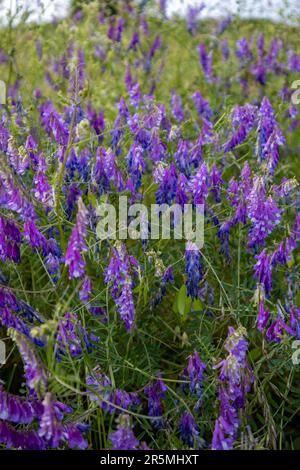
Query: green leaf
[92,199]
[255,354]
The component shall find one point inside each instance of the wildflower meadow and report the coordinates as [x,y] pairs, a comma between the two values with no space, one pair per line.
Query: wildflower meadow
[174,323]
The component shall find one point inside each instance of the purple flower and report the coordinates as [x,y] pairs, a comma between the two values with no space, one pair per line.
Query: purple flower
[41,187]
[111,170]
[136,164]
[119,29]
[181,191]
[157,148]
[293,61]
[100,389]
[216,182]
[3,57]
[182,157]
[274,49]
[225,49]
[263,316]
[283,253]
[71,335]
[177,109]
[12,198]
[296,228]
[259,72]
[275,331]
[166,177]
[4,137]
[155,392]
[263,213]
[260,43]
[81,68]
[35,374]
[226,426]
[192,20]
[35,238]
[135,95]
[223,25]
[135,40]
[111,28]
[8,299]
[243,51]
[51,429]
[96,121]
[202,106]
[195,372]
[10,320]
[16,409]
[166,278]
[206,62]
[20,439]
[18,157]
[125,304]
[10,240]
[144,26]
[198,185]
[193,269]
[53,123]
[270,137]
[86,290]
[243,118]
[238,194]
[77,243]
[163,6]
[205,137]
[73,193]
[294,330]
[52,263]
[263,271]
[10,308]
[128,77]
[101,181]
[73,436]
[154,47]
[235,377]
[223,235]
[189,431]
[118,274]
[285,187]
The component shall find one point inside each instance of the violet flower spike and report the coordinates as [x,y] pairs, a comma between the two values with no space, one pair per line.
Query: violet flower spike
[235,377]
[124,438]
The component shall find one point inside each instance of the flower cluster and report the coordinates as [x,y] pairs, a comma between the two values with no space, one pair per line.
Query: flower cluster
[118,274]
[235,377]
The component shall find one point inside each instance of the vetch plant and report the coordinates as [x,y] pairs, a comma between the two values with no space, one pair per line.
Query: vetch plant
[149,232]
